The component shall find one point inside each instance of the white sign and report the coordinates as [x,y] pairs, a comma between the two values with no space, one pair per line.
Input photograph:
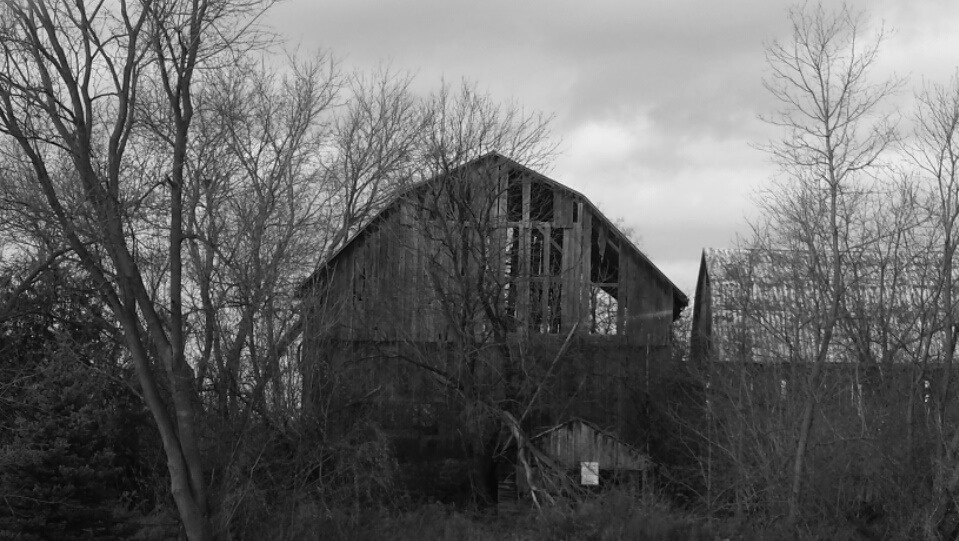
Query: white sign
[589,473]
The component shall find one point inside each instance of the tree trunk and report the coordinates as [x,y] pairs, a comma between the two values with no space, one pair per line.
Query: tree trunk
[192,510]
[802,445]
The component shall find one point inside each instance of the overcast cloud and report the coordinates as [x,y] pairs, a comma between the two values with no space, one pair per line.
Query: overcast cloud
[655,102]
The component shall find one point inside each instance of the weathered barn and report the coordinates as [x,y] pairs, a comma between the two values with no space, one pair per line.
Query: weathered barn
[468,285]
[552,254]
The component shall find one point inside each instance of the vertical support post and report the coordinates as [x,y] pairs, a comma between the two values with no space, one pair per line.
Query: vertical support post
[622,290]
[570,291]
[523,283]
[586,250]
[546,231]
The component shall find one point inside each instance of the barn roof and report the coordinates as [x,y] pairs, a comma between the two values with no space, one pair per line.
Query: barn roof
[680,300]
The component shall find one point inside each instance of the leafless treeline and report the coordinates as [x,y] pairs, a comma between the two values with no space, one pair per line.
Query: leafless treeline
[849,279]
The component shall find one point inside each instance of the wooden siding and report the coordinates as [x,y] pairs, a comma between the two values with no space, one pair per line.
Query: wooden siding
[576,441]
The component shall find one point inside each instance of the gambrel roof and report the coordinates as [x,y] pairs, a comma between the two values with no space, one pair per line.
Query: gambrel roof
[680,300]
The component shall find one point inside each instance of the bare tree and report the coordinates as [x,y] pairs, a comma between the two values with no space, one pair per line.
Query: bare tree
[935,155]
[81,86]
[469,254]
[254,212]
[374,144]
[832,137]
[462,124]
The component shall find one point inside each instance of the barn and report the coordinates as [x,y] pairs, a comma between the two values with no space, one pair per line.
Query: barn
[762,306]
[487,286]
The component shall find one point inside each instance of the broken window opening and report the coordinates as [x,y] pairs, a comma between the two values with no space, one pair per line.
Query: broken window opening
[575,212]
[512,252]
[540,202]
[537,248]
[603,310]
[604,257]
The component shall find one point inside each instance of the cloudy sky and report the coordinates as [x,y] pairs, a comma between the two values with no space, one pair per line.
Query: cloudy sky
[655,102]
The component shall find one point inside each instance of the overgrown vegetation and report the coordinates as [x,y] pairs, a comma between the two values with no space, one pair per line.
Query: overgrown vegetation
[165,195]
[73,453]
[827,398]
[618,514]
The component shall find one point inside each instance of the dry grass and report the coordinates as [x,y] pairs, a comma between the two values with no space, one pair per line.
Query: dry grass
[616,514]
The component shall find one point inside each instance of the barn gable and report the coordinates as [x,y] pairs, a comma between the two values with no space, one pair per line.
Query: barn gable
[559,262]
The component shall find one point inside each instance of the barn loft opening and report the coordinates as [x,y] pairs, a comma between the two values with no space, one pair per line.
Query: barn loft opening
[604,282]
[604,257]
[603,310]
[534,255]
[540,202]
[537,251]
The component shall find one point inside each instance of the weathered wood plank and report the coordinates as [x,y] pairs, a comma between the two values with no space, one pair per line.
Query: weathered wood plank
[585,246]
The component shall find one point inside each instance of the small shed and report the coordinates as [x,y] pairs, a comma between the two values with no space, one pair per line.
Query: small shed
[576,442]
[580,446]
[590,455]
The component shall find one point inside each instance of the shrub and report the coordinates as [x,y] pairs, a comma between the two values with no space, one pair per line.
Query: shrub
[66,459]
